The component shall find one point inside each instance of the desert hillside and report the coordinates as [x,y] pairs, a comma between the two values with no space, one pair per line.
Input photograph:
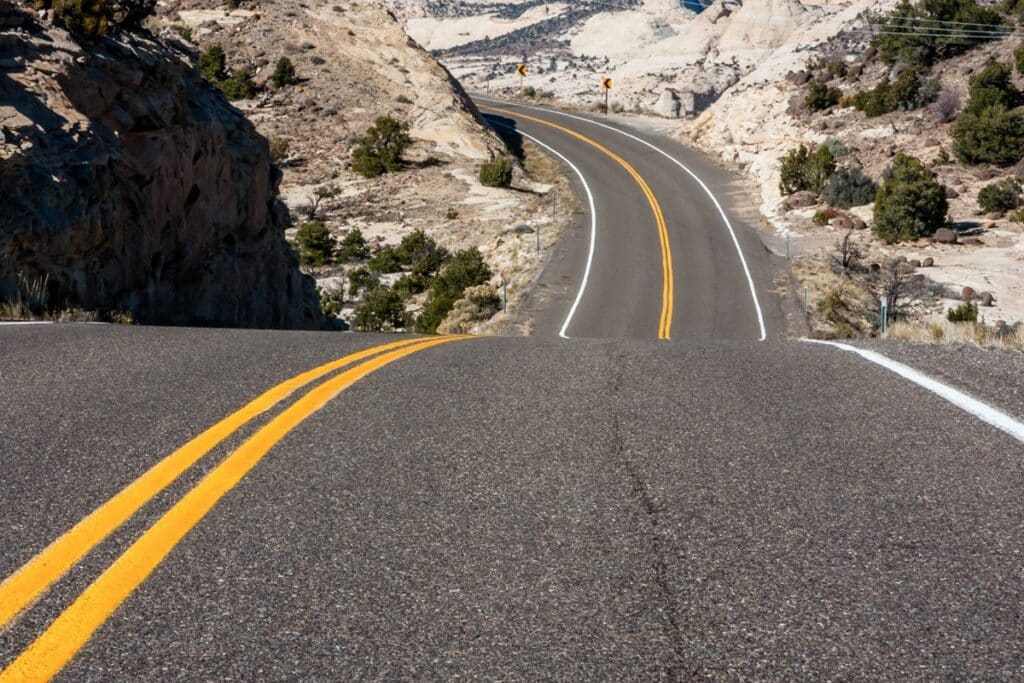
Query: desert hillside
[772,110]
[664,58]
[353,64]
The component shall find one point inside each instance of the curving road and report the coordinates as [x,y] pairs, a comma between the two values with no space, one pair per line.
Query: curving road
[670,258]
[181,504]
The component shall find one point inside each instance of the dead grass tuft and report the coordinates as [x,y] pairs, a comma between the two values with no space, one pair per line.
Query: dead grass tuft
[969,334]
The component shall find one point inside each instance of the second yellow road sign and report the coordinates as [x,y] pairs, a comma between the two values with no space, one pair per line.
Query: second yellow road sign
[606,83]
[521,70]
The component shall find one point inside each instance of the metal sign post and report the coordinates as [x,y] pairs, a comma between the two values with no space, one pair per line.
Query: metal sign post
[606,85]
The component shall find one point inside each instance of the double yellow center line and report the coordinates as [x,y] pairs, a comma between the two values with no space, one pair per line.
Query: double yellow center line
[667,287]
[59,643]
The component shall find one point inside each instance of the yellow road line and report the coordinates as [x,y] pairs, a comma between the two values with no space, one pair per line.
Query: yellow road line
[66,636]
[52,650]
[26,584]
[668,279]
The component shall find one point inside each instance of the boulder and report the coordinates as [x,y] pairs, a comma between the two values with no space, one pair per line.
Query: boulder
[859,224]
[798,77]
[669,105]
[968,294]
[914,263]
[986,299]
[1018,170]
[951,193]
[869,54]
[801,200]
[844,223]
[945,236]
[928,262]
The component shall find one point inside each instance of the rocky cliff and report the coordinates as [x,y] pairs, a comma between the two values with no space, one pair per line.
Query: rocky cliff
[128,184]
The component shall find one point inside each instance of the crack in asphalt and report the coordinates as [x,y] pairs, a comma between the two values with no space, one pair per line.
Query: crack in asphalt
[678,670]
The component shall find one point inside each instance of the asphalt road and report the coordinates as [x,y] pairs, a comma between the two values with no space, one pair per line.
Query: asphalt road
[520,508]
[184,504]
[623,298]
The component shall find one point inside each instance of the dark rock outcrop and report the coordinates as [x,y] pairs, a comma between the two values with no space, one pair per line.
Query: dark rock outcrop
[131,185]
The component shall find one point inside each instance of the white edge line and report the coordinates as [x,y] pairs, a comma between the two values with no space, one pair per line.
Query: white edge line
[968,404]
[12,323]
[563,333]
[707,190]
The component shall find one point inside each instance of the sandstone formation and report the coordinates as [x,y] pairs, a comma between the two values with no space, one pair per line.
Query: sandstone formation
[128,184]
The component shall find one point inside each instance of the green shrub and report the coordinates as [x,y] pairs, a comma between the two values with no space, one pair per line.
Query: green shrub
[466,269]
[838,68]
[238,86]
[803,169]
[361,281]
[331,302]
[353,247]
[1018,58]
[88,20]
[382,311]
[991,86]
[909,91]
[380,150]
[993,136]
[820,218]
[903,39]
[84,19]
[316,245]
[837,148]
[213,64]
[1000,196]
[910,203]
[966,312]
[529,91]
[496,173]
[414,245]
[384,261]
[1014,7]
[284,73]
[406,287]
[849,187]
[423,256]
[820,96]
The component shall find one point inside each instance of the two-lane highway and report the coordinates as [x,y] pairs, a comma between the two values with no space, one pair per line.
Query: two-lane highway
[184,504]
[668,259]
[499,508]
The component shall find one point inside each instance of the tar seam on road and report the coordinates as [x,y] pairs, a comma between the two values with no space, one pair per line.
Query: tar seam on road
[968,404]
[26,584]
[692,174]
[668,278]
[564,332]
[73,628]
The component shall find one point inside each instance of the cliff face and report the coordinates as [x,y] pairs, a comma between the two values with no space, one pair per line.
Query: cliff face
[132,185]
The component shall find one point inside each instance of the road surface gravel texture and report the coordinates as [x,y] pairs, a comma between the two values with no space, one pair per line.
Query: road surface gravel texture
[516,508]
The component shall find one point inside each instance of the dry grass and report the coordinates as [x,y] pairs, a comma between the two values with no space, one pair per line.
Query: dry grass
[972,334]
[31,303]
